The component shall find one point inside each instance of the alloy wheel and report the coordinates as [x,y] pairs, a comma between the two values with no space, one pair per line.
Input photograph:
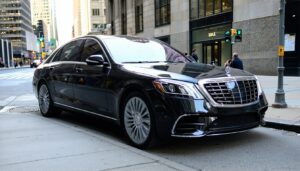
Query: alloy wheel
[44,99]
[137,120]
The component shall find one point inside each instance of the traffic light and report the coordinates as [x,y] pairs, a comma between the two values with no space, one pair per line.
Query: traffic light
[228,36]
[233,32]
[42,44]
[238,37]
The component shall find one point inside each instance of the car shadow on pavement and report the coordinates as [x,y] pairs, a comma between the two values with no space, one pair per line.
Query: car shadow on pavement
[93,123]
[213,143]
[176,146]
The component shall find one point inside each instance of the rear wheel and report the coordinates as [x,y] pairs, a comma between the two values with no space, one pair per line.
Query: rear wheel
[46,106]
[138,121]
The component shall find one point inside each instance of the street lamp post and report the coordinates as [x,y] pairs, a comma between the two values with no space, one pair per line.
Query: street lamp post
[280,95]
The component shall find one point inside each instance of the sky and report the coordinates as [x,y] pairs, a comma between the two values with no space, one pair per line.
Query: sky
[64,18]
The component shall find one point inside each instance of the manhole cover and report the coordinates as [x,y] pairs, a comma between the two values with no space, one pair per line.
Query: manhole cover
[24,109]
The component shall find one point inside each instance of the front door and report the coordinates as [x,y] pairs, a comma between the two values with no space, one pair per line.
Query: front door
[212,53]
[91,81]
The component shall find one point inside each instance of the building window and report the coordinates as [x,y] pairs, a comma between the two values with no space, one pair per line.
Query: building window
[162,12]
[96,12]
[139,26]
[226,5]
[124,16]
[205,8]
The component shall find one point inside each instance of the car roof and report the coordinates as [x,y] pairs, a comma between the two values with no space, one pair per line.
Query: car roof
[113,36]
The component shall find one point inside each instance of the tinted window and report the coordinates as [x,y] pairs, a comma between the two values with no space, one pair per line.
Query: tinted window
[133,49]
[91,47]
[71,51]
[57,55]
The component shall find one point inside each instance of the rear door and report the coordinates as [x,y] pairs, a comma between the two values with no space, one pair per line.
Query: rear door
[61,72]
[91,80]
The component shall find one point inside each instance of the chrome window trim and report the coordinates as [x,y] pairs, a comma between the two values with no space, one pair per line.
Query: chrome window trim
[98,114]
[206,94]
[81,62]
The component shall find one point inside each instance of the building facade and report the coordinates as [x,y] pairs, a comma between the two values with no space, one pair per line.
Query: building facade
[6,53]
[166,20]
[44,10]
[201,25]
[15,25]
[89,16]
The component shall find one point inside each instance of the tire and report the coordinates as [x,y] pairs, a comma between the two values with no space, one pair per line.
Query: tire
[138,121]
[46,106]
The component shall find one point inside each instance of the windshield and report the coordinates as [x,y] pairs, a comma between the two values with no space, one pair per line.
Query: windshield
[138,50]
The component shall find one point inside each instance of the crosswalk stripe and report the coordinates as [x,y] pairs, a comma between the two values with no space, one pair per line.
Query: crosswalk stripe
[16,76]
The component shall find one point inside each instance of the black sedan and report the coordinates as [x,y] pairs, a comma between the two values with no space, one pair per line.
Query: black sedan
[153,91]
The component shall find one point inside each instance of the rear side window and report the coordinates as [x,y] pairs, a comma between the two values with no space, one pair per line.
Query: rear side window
[91,47]
[70,52]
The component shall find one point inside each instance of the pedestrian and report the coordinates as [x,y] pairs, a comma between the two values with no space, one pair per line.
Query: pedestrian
[194,55]
[227,63]
[236,62]
[190,58]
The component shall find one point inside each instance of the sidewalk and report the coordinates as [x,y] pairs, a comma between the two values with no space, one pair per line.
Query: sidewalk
[288,118]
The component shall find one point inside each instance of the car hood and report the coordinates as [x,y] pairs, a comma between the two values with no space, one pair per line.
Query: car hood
[190,72]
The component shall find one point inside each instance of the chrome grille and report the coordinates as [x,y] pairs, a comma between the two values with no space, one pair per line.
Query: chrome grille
[244,92]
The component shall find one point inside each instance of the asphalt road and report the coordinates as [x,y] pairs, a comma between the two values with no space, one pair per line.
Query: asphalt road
[258,149]
[15,82]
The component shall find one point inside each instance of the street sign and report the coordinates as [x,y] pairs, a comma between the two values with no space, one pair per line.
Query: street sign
[281,51]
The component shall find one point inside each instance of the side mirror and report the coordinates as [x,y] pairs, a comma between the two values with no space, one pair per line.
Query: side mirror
[95,60]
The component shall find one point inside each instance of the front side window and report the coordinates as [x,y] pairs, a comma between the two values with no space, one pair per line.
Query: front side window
[138,50]
[162,12]
[70,52]
[139,25]
[91,47]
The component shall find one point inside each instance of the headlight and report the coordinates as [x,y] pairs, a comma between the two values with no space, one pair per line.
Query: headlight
[177,88]
[259,88]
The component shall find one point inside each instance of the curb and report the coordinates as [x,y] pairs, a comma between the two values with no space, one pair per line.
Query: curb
[282,126]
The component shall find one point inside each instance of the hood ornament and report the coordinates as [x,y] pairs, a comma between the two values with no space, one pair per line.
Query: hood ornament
[227,71]
[230,85]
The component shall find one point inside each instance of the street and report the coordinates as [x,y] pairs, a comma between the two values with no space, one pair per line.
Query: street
[71,141]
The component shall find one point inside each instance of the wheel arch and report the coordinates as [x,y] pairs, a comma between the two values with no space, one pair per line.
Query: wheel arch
[127,90]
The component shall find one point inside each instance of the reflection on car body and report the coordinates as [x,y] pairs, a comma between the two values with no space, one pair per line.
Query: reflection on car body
[140,84]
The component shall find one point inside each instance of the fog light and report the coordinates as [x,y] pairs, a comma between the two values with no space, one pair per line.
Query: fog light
[212,119]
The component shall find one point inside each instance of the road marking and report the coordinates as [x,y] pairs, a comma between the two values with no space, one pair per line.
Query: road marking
[16,76]
[7,100]
[6,109]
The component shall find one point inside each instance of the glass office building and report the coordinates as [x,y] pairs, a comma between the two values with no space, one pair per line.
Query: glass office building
[15,24]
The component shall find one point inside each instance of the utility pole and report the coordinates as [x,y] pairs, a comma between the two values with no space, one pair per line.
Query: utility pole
[280,95]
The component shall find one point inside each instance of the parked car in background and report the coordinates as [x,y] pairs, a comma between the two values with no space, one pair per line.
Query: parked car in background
[35,63]
[150,89]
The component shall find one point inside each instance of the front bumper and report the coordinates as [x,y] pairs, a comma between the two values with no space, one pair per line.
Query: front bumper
[197,118]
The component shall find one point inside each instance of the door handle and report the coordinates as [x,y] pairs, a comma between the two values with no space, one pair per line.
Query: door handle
[51,68]
[78,69]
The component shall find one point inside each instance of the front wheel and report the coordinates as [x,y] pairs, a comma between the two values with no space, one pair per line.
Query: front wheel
[138,121]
